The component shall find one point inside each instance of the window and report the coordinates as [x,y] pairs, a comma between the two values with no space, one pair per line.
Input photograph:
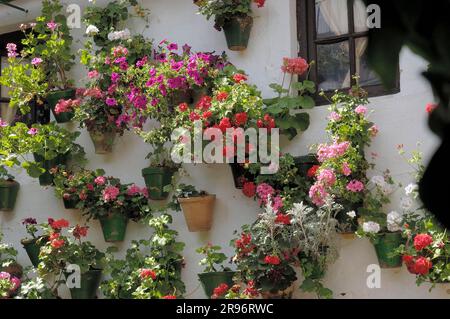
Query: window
[333,33]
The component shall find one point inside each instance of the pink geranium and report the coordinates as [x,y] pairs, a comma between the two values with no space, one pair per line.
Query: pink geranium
[326,177]
[36,61]
[346,169]
[52,25]
[93,74]
[296,66]
[355,186]
[318,194]
[361,109]
[100,180]
[264,191]
[334,116]
[373,130]
[334,150]
[110,193]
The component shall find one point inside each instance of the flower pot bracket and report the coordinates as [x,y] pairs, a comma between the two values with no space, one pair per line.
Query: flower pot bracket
[7,3]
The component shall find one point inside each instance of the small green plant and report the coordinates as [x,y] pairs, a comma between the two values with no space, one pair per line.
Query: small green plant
[213,258]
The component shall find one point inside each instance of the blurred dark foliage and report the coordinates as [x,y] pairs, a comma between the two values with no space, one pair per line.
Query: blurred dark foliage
[424,27]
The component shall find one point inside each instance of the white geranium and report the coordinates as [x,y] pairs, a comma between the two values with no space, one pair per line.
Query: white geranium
[394,221]
[119,35]
[411,188]
[406,203]
[92,30]
[351,214]
[378,180]
[371,227]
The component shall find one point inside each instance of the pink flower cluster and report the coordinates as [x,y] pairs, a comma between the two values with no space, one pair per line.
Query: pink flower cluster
[110,193]
[264,191]
[318,194]
[12,50]
[296,66]
[66,105]
[332,151]
[355,186]
[326,177]
[136,190]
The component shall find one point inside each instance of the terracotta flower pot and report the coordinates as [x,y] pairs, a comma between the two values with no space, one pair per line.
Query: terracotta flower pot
[8,194]
[385,246]
[281,294]
[211,280]
[53,99]
[114,227]
[103,141]
[198,212]
[237,32]
[156,178]
[33,248]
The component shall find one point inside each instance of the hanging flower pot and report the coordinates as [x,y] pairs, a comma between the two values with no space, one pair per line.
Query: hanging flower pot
[52,100]
[46,178]
[103,141]
[385,245]
[70,203]
[33,247]
[280,294]
[198,212]
[237,32]
[8,194]
[305,162]
[240,174]
[114,227]
[156,178]
[211,280]
[89,283]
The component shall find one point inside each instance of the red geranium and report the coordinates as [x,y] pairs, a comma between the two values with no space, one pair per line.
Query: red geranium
[260,3]
[249,189]
[240,118]
[421,241]
[204,103]
[408,259]
[224,124]
[430,107]
[79,231]
[183,107]
[239,78]
[283,219]
[57,243]
[272,260]
[222,96]
[59,224]
[422,266]
[146,273]
[294,66]
[219,291]
[312,171]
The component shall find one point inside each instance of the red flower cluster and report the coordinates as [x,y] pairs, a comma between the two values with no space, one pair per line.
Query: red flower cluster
[222,96]
[312,171]
[421,241]
[204,103]
[244,244]
[66,105]
[430,107]
[272,260]
[55,242]
[146,273]
[239,78]
[260,3]
[183,107]
[240,118]
[268,122]
[419,266]
[294,66]
[249,189]
[283,219]
[224,124]
[79,231]
[251,289]
[59,224]
[219,291]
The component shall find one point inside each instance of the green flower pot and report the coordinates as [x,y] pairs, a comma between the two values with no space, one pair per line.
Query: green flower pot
[70,203]
[156,178]
[46,178]
[211,280]
[33,248]
[53,99]
[237,32]
[8,194]
[89,283]
[385,245]
[114,227]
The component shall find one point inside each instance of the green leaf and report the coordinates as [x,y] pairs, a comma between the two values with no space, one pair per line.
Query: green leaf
[306,102]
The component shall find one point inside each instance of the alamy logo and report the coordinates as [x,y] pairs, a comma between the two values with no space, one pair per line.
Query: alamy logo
[374,279]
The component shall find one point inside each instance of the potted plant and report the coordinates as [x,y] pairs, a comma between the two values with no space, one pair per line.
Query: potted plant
[198,207]
[211,276]
[10,271]
[111,202]
[33,245]
[151,268]
[234,17]
[236,291]
[48,42]
[63,250]
[296,96]
[27,86]
[51,146]
[9,189]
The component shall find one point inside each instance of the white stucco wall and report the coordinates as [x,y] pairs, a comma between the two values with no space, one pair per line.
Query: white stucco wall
[401,118]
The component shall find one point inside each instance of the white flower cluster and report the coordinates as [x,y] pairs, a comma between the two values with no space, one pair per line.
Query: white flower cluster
[411,192]
[394,221]
[124,34]
[371,227]
[381,183]
[92,30]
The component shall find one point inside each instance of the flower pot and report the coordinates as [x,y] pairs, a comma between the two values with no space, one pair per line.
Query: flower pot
[240,174]
[89,283]
[156,178]
[114,227]
[305,162]
[8,194]
[33,248]
[237,32]
[103,141]
[281,294]
[198,212]
[211,280]
[8,114]
[46,178]
[53,99]
[385,245]
[70,203]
